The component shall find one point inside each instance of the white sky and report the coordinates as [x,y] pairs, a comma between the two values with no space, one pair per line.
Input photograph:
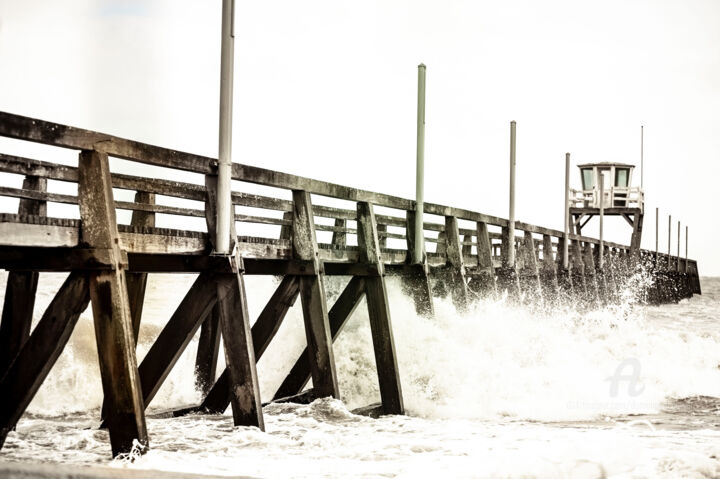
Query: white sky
[327,89]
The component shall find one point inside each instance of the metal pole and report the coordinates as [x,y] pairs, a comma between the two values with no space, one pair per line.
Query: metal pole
[420,168]
[511,216]
[686,249]
[669,263]
[678,249]
[567,212]
[224,204]
[602,217]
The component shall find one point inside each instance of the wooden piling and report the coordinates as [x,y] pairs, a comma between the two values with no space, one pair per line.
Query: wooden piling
[41,350]
[20,289]
[379,311]
[416,281]
[312,295]
[483,281]
[528,273]
[238,346]
[548,270]
[455,265]
[111,309]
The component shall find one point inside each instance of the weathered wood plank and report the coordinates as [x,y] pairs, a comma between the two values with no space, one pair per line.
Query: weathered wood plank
[111,311]
[20,289]
[379,313]
[312,295]
[137,282]
[177,334]
[30,129]
[40,352]
[455,264]
[208,352]
[239,350]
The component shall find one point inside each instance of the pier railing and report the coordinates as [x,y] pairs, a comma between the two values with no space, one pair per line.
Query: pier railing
[117,209]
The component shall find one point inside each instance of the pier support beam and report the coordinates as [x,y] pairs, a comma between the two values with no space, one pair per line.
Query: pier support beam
[263,331]
[312,295]
[341,311]
[507,278]
[483,282]
[379,312]
[548,271]
[20,289]
[529,276]
[111,309]
[591,286]
[40,352]
[455,276]
[417,282]
[238,346]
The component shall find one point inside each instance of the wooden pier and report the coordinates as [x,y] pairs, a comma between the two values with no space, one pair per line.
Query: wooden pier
[466,256]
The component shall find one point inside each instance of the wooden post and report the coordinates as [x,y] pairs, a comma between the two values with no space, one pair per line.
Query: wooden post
[484,281]
[111,309]
[379,312]
[137,282]
[563,272]
[312,294]
[339,238]
[341,311]
[263,331]
[578,271]
[416,280]
[455,264]
[548,272]
[529,275]
[208,351]
[636,237]
[238,345]
[507,278]
[20,289]
[40,352]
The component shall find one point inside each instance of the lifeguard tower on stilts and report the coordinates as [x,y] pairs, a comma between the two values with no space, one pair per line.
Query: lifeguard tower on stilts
[618,198]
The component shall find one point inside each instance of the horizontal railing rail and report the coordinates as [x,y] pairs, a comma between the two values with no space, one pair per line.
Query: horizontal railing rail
[266,210]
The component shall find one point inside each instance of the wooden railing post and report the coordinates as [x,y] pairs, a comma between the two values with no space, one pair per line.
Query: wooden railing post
[379,311]
[20,289]
[111,309]
[312,295]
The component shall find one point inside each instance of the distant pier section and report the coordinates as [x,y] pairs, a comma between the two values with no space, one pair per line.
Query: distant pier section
[303,230]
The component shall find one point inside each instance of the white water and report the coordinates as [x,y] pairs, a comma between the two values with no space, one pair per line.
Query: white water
[498,391]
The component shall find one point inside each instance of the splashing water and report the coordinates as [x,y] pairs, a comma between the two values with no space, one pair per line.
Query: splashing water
[503,389]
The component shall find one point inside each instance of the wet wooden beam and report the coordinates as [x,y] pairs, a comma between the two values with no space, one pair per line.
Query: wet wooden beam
[455,265]
[417,282]
[239,351]
[40,352]
[379,312]
[312,295]
[208,351]
[20,288]
[137,282]
[341,311]
[111,310]
[263,331]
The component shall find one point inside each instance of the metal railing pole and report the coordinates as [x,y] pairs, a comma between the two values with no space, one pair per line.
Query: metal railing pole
[420,168]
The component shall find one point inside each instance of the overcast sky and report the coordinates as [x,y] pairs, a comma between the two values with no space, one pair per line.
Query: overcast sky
[327,89]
